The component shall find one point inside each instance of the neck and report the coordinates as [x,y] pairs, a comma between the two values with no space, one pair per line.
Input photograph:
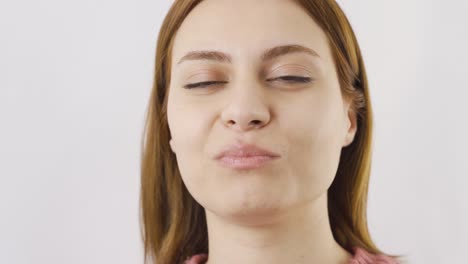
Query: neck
[301,235]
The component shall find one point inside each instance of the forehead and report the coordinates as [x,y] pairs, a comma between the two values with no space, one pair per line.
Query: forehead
[245,28]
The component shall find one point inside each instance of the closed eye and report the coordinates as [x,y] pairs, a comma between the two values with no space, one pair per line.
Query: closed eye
[287,79]
[202,84]
[292,79]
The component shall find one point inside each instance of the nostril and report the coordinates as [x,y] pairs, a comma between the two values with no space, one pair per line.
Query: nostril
[256,122]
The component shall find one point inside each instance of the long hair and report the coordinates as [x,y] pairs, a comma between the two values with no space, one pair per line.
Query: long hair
[173,224]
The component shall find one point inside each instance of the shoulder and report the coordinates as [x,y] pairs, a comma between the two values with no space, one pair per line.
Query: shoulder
[361,256]
[197,259]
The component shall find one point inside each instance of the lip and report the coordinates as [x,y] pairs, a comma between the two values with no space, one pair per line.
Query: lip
[245,156]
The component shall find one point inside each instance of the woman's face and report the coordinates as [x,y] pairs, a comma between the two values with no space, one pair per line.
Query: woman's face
[307,123]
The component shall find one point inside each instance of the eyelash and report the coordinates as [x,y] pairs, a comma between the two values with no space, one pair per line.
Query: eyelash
[287,78]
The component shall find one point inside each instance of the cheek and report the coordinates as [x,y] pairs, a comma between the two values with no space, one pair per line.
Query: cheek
[188,136]
[313,137]
[187,124]
[189,128]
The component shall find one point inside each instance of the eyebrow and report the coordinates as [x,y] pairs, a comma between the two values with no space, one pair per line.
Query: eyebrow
[269,54]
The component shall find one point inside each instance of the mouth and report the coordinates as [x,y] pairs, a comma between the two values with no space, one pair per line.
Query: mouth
[245,162]
[244,156]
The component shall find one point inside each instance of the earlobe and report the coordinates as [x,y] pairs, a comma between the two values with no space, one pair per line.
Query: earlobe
[171,143]
[351,128]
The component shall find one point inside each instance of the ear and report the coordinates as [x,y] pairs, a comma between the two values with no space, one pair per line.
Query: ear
[171,143]
[351,126]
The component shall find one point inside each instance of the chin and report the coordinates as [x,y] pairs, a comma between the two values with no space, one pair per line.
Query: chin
[259,217]
[251,212]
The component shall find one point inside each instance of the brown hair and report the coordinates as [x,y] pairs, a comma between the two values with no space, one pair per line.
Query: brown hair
[174,224]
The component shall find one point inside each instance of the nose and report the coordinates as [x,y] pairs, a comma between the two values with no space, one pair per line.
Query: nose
[247,108]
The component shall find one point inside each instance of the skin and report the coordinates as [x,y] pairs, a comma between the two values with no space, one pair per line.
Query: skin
[276,213]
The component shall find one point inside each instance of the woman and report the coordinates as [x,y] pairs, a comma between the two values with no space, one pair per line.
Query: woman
[257,146]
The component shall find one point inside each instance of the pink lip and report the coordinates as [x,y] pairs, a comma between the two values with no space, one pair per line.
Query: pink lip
[242,156]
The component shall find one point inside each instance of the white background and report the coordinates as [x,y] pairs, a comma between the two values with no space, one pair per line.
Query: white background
[75,77]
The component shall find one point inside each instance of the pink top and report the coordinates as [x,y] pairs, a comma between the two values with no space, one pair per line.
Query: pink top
[361,256]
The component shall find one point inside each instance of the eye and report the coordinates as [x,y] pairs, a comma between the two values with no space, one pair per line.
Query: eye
[292,79]
[287,79]
[202,84]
